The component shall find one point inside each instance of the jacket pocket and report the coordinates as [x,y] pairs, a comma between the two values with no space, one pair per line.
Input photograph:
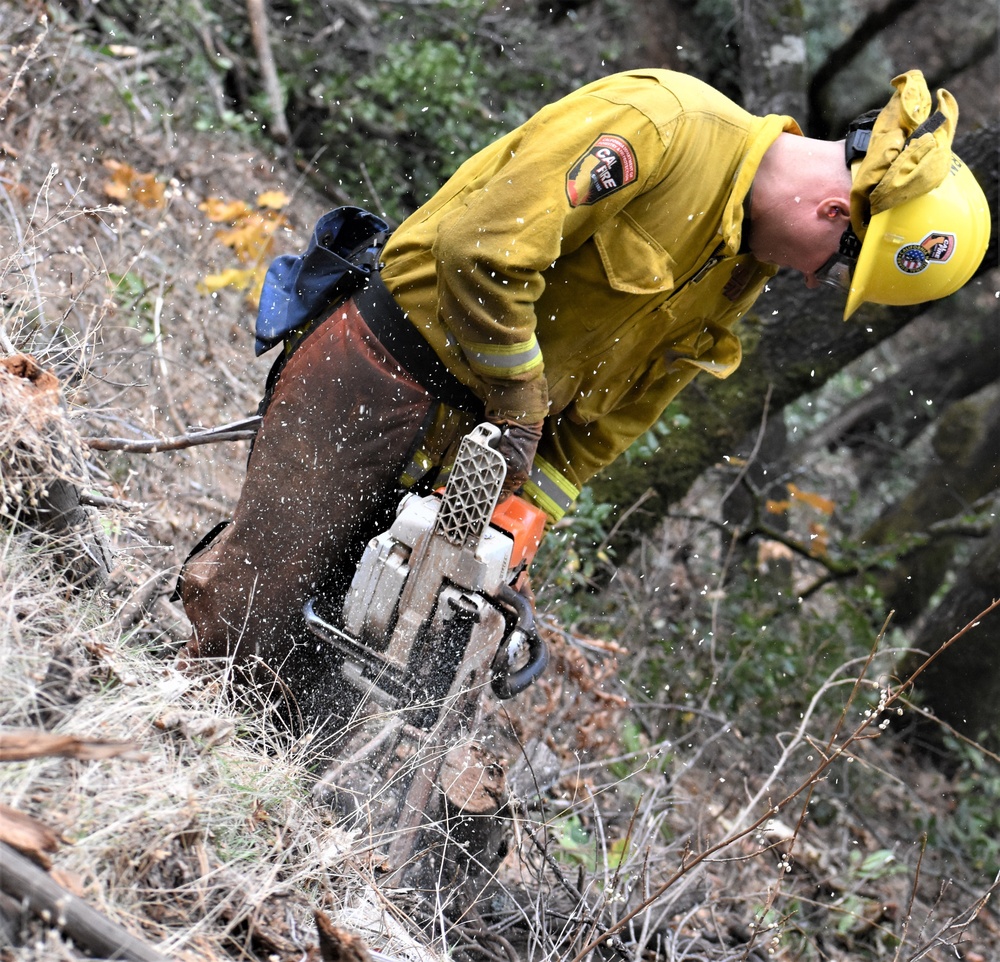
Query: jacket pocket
[706,345]
[634,261]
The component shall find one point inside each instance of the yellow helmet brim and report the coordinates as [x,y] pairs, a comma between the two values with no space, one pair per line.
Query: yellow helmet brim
[924,248]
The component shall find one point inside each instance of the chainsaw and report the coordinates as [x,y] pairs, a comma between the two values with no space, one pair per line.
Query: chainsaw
[433,632]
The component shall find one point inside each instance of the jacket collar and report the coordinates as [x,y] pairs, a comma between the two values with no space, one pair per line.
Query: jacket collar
[763,133]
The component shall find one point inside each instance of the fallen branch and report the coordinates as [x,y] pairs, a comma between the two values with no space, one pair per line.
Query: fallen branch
[24,881]
[19,745]
[244,430]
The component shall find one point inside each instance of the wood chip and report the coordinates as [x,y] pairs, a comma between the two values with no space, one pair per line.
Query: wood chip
[29,836]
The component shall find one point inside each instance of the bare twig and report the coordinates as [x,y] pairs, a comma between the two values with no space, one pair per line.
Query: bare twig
[958,923]
[919,670]
[161,359]
[625,515]
[912,898]
[244,430]
[752,456]
[29,58]
[954,732]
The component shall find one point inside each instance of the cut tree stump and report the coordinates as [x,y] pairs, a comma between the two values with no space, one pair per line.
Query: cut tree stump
[474,785]
[43,469]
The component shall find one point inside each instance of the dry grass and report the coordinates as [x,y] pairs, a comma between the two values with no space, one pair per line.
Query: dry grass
[209,843]
[204,843]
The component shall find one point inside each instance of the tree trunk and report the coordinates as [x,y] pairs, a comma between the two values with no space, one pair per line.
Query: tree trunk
[773,59]
[773,79]
[899,408]
[965,469]
[962,687]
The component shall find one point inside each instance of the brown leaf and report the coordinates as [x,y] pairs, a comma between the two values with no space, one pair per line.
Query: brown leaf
[129,184]
[25,367]
[251,236]
[220,210]
[235,277]
[817,501]
[819,543]
[28,835]
[273,199]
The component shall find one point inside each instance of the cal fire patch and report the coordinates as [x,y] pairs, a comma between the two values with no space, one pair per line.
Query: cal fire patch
[935,247]
[608,165]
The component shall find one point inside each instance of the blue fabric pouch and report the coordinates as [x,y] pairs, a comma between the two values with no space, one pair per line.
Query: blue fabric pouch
[342,253]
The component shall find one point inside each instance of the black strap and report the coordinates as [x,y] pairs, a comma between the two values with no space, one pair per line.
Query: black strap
[389,323]
[204,543]
[931,124]
[859,135]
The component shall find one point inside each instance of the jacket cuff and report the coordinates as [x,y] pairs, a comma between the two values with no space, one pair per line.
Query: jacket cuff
[527,402]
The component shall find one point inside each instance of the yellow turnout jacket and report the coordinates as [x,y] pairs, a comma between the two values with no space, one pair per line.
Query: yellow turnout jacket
[586,266]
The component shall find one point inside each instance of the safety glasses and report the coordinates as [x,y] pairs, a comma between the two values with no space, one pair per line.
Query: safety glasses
[837,272]
[838,269]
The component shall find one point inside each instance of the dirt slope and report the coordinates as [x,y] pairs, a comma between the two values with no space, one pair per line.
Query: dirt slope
[103,262]
[208,846]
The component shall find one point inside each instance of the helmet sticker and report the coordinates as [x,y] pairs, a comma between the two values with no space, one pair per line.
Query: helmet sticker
[935,247]
[608,165]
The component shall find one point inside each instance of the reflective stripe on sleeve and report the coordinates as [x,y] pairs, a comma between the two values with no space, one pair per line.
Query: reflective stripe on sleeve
[419,465]
[550,490]
[504,360]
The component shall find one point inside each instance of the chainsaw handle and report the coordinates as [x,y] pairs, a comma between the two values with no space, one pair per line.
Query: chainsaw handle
[505,683]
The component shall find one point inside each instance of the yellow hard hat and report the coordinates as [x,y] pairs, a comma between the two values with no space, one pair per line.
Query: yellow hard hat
[924,248]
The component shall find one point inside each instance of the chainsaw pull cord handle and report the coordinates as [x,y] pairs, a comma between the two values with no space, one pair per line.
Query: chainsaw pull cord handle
[505,683]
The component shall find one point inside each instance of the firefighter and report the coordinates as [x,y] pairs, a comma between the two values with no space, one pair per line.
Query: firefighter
[566,283]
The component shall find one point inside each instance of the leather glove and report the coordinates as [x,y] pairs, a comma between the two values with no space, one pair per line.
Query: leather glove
[518,444]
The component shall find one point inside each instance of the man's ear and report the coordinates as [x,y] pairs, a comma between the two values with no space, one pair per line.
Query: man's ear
[834,208]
